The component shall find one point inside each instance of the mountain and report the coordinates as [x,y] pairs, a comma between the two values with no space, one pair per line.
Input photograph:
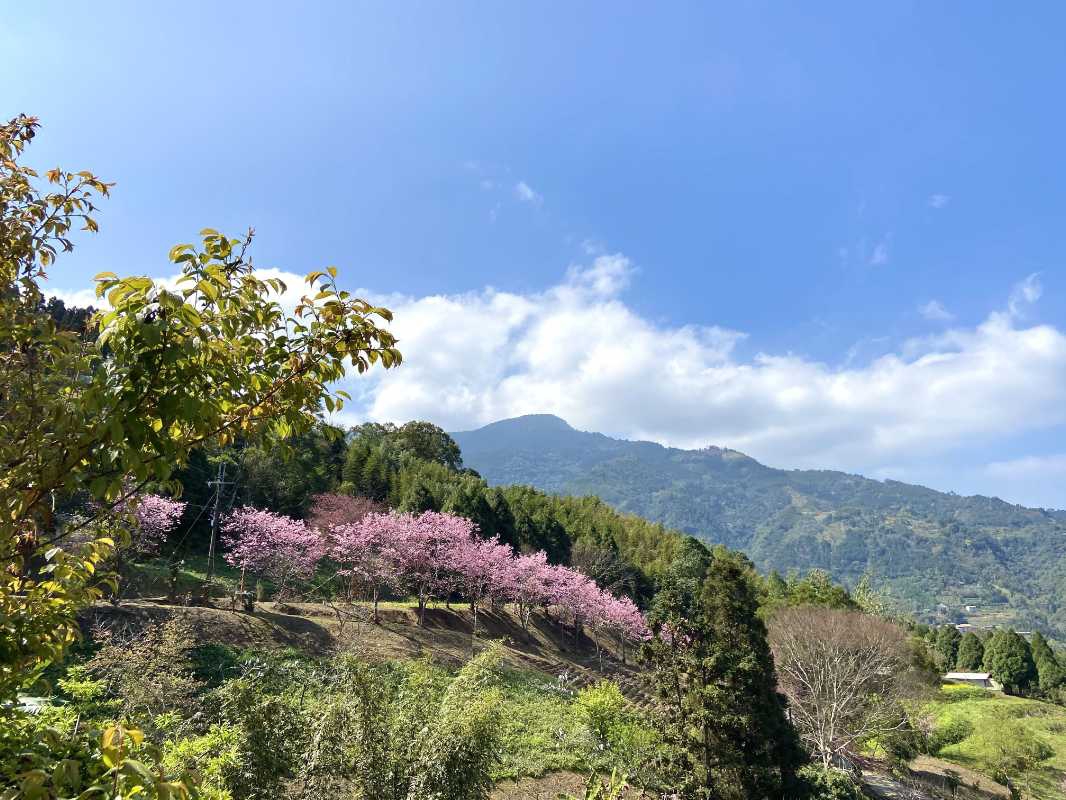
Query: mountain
[941,555]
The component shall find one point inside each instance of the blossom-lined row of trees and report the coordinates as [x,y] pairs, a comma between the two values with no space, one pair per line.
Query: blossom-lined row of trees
[427,555]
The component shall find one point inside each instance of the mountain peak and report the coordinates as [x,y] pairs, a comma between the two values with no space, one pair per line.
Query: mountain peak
[541,422]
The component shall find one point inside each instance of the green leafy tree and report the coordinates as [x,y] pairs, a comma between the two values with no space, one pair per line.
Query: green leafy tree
[427,442]
[1008,659]
[724,718]
[946,646]
[209,362]
[971,654]
[1049,670]
[284,479]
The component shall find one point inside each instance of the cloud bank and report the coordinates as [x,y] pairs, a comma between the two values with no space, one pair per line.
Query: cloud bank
[578,350]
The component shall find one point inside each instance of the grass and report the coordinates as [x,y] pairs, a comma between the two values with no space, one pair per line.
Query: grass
[152,578]
[992,712]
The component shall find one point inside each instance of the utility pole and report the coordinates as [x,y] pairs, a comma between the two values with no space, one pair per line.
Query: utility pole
[218,483]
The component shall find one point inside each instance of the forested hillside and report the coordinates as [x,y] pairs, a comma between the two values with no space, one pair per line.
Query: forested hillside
[929,548]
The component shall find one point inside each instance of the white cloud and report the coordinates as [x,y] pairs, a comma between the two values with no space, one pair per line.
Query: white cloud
[938,201]
[934,310]
[577,350]
[1031,480]
[880,253]
[524,192]
[1029,466]
[1025,293]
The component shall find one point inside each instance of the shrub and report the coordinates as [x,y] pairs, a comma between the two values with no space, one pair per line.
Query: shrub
[828,784]
[215,756]
[405,733]
[950,732]
[151,673]
[601,707]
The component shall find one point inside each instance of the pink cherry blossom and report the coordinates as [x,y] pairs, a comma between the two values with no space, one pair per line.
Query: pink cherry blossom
[422,547]
[481,566]
[155,517]
[271,545]
[364,552]
[528,583]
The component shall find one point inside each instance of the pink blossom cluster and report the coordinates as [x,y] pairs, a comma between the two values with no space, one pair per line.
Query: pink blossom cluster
[271,545]
[434,554]
[428,555]
[156,517]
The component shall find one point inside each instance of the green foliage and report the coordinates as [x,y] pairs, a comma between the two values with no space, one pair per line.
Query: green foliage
[171,369]
[1009,750]
[107,763]
[150,673]
[285,479]
[601,706]
[998,721]
[598,789]
[1008,659]
[265,707]
[816,588]
[407,735]
[712,666]
[214,756]
[827,784]
[952,731]
[946,646]
[971,654]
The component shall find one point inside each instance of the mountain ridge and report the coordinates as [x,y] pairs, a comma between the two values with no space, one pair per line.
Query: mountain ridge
[928,548]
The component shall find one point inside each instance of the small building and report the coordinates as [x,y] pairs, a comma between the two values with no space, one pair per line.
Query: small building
[982,680]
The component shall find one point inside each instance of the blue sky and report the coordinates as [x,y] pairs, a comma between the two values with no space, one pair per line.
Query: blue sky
[830,238]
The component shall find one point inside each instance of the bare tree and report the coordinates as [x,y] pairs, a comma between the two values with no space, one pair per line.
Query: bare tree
[604,565]
[844,673]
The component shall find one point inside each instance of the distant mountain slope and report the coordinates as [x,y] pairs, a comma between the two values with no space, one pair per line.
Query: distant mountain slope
[930,547]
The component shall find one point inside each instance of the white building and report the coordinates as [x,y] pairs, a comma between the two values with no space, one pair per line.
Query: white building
[984,680]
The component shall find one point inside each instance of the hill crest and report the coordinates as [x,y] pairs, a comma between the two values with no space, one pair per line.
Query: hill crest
[936,552]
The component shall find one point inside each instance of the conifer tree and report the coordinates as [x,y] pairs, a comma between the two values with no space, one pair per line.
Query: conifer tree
[1008,659]
[946,646]
[725,720]
[971,653]
[1050,673]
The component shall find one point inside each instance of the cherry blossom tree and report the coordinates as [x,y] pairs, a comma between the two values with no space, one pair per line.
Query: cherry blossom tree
[577,595]
[482,567]
[622,617]
[364,552]
[528,583]
[156,517]
[423,544]
[271,545]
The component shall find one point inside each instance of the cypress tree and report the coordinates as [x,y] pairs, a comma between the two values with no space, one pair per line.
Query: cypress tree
[946,646]
[1008,658]
[725,720]
[1049,670]
[971,653]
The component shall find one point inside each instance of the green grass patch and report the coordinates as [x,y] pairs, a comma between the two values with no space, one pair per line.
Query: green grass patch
[999,725]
